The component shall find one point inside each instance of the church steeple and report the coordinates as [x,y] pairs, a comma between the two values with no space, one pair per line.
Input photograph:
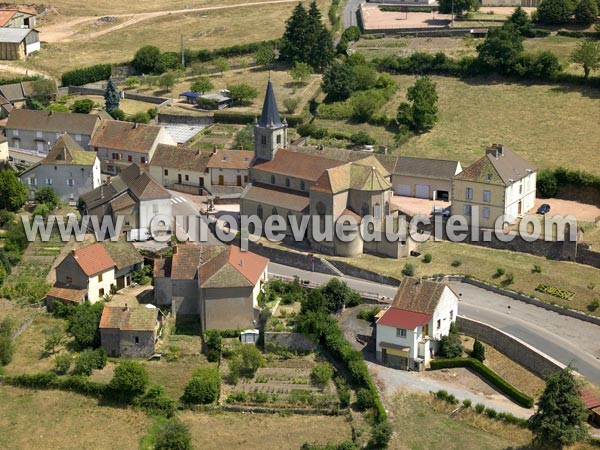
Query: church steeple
[270,132]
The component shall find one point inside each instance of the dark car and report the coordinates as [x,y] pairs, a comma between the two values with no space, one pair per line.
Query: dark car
[543,209]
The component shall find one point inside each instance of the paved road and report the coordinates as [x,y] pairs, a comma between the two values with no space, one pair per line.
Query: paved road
[349,14]
[565,339]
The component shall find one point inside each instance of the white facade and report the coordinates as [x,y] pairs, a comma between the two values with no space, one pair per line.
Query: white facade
[99,285]
[148,209]
[520,196]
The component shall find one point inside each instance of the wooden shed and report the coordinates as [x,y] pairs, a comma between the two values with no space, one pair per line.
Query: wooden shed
[17,43]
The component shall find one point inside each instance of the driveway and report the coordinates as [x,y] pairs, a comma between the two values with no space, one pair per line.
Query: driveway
[412,206]
[583,212]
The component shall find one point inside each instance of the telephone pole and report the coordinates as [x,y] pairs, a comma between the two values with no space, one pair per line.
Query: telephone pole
[182,52]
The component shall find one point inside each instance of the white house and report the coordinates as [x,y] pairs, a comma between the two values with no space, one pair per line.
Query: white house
[409,331]
[181,168]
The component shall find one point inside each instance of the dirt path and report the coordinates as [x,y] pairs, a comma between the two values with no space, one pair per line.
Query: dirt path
[63,32]
[23,71]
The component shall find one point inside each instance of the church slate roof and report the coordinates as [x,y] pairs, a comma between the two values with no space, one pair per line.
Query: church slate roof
[270,113]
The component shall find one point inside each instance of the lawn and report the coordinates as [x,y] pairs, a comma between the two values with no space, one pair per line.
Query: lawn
[406,45]
[481,263]
[56,419]
[127,105]
[202,30]
[264,431]
[561,46]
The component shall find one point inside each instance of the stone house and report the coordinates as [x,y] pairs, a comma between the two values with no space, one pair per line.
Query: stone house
[229,168]
[217,286]
[127,260]
[68,169]
[424,178]
[119,144]
[408,333]
[499,184]
[34,130]
[129,331]
[181,168]
[133,194]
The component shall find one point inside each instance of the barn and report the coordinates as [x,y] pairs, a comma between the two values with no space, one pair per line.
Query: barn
[18,43]
[424,178]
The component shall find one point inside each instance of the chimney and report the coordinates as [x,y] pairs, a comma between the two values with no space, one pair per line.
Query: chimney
[73,252]
[500,151]
[241,263]
[215,150]
[175,249]
[126,307]
[136,125]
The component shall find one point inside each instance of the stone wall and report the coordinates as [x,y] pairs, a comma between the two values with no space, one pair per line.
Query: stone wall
[291,341]
[356,272]
[512,347]
[188,120]
[299,260]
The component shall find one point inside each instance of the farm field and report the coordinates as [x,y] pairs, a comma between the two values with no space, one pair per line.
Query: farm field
[201,30]
[481,263]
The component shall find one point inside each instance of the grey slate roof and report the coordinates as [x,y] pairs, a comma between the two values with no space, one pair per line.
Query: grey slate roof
[426,168]
[270,113]
[14,35]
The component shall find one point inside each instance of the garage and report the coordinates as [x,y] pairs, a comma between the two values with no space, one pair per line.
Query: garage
[441,195]
[422,191]
[404,189]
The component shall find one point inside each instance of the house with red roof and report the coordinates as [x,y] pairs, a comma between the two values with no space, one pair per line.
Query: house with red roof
[408,333]
[216,286]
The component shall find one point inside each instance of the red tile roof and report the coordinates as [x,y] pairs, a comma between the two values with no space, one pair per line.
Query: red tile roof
[297,165]
[67,293]
[93,259]
[127,136]
[136,318]
[231,159]
[401,318]
[249,264]
[589,399]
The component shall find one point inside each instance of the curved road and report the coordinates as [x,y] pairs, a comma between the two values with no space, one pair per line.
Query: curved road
[566,339]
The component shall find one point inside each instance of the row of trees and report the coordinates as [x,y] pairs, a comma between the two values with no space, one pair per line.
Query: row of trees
[555,12]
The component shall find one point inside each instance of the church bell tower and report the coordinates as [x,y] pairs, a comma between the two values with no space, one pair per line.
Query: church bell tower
[270,132]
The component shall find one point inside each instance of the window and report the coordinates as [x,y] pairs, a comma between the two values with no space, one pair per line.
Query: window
[287,182]
[129,158]
[259,211]
[115,156]
[520,188]
[155,208]
[387,208]
[101,292]
[466,210]
[137,339]
[29,181]
[302,185]
[487,195]
[279,139]
[39,134]
[263,140]
[272,179]
[166,172]
[143,159]
[69,280]
[49,181]
[439,324]
[400,332]
[187,178]
[485,212]
[451,315]
[70,182]
[100,278]
[377,211]
[15,132]
[469,194]
[78,137]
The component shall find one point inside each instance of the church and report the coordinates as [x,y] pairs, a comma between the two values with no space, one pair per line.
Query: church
[289,180]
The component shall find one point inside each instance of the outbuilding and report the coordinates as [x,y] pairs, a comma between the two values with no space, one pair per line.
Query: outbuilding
[18,43]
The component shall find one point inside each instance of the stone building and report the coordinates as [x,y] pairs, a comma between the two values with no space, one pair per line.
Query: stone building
[129,331]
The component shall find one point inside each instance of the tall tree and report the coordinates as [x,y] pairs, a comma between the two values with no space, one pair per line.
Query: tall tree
[320,50]
[295,37]
[421,115]
[559,420]
[146,59]
[13,193]
[338,82]
[201,85]
[458,6]
[501,48]
[265,56]
[587,53]
[586,11]
[112,98]
[301,72]
[521,21]
[553,12]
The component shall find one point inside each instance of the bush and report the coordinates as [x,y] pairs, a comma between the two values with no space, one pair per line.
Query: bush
[443,395]
[427,258]
[47,196]
[362,138]
[479,408]
[500,271]
[451,346]
[381,435]
[408,270]
[478,351]
[42,211]
[510,278]
[369,314]
[491,413]
[364,399]
[7,346]
[83,106]
[244,118]
[173,435]
[467,402]
[488,374]
[456,263]
[42,380]
[343,392]
[156,401]
[62,363]
[594,305]
[129,380]
[88,361]
[291,104]
[537,268]
[204,387]
[85,75]
[554,12]
[117,114]
[321,374]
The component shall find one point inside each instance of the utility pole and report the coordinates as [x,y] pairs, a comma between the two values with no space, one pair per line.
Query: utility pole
[452,24]
[182,52]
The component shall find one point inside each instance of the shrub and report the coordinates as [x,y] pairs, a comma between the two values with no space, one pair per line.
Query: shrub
[321,374]
[554,291]
[364,399]
[173,435]
[343,391]
[362,138]
[244,118]
[408,270]
[7,346]
[479,408]
[214,345]
[510,278]
[443,395]
[85,75]
[47,196]
[456,263]
[500,271]
[488,374]
[291,104]
[381,435]
[88,361]
[427,258]
[129,380]
[369,314]
[537,268]
[42,380]
[156,401]
[491,413]
[62,363]
[83,106]
[204,386]
[451,346]
[594,305]
[467,402]
[117,114]
[478,351]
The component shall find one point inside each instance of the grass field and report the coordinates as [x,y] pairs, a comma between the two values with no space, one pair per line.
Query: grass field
[481,263]
[561,46]
[127,105]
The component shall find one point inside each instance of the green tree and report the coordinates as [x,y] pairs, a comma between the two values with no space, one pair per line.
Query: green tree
[294,42]
[204,387]
[131,82]
[83,106]
[140,117]
[117,114]
[7,346]
[337,294]
[547,186]
[83,325]
[173,435]
[450,345]
[554,12]
[47,196]
[521,21]
[43,91]
[265,55]
[90,360]
[421,115]
[301,72]
[55,338]
[291,103]
[13,193]
[381,435]
[501,48]
[587,54]
[221,65]
[244,139]
[321,374]
[62,363]
[168,61]
[129,380]
[112,97]
[458,6]
[42,210]
[362,138]
[560,418]
[146,59]
[338,82]
[364,104]
[242,92]
[251,360]
[365,77]
[320,47]
[478,351]
[201,85]
[586,11]
[167,80]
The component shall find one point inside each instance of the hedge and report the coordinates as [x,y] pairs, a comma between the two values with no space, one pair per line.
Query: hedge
[561,177]
[49,380]
[243,118]
[578,34]
[486,373]
[85,75]
[235,50]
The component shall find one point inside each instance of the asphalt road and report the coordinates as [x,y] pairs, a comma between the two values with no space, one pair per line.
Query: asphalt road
[568,340]
[349,14]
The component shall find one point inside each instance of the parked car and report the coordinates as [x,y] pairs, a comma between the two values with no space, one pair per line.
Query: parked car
[543,209]
[139,235]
